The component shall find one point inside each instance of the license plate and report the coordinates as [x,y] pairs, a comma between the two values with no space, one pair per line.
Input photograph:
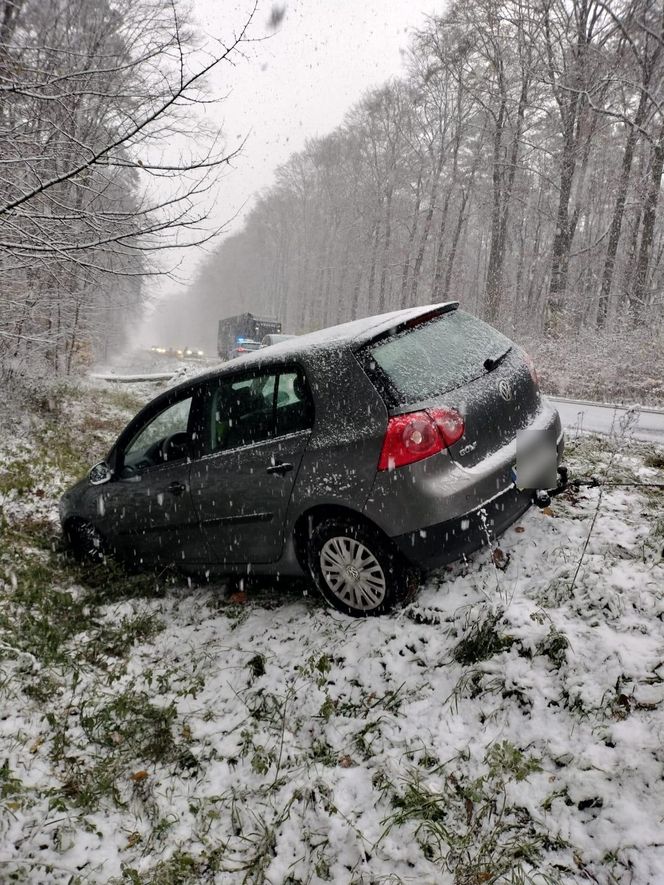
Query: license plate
[536,461]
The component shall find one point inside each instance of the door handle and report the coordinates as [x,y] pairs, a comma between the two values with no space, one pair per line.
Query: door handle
[177,488]
[281,467]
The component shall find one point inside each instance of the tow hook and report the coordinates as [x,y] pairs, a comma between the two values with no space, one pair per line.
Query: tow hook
[542,497]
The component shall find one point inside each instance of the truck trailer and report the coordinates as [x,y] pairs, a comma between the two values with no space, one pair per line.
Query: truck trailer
[243,327]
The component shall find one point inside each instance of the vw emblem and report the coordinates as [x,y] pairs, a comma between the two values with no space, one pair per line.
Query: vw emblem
[505,391]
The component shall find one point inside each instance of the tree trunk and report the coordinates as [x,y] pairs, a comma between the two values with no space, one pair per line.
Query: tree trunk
[618,211]
[411,239]
[561,239]
[427,227]
[374,257]
[386,250]
[455,240]
[494,268]
[641,281]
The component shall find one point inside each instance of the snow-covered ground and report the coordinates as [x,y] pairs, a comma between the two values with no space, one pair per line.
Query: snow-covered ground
[506,726]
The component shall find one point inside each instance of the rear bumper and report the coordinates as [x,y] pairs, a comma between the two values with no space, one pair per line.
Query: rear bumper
[438,490]
[450,540]
[447,541]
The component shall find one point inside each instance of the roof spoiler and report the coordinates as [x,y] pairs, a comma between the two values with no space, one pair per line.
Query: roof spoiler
[417,320]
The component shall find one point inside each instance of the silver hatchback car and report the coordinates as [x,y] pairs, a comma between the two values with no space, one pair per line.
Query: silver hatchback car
[360,455]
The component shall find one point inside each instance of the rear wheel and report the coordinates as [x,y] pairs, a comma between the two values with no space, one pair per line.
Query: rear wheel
[357,570]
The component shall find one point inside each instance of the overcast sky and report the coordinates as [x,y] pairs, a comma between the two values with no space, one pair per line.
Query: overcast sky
[297,83]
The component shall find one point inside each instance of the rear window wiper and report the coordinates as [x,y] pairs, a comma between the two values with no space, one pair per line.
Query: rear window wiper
[491,362]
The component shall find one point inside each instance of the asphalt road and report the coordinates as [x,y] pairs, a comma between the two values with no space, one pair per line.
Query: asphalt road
[648,424]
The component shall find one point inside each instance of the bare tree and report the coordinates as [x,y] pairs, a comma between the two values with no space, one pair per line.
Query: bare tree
[489,174]
[95,98]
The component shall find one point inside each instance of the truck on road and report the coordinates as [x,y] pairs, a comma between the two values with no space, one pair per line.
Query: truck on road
[244,327]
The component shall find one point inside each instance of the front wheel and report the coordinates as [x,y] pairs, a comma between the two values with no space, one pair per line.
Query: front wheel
[357,570]
[85,542]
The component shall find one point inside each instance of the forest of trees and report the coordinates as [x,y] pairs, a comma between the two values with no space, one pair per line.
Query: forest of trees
[515,167]
[99,174]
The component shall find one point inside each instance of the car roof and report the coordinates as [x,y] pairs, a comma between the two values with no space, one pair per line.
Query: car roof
[353,335]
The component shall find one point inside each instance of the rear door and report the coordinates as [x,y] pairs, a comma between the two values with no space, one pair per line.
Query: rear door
[257,429]
[458,361]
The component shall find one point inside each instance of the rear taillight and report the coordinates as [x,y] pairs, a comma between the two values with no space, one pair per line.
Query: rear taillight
[531,367]
[450,424]
[419,435]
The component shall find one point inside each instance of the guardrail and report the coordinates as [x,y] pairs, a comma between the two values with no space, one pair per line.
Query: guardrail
[620,406]
[133,379]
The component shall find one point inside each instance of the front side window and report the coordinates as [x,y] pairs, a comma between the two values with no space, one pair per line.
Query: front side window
[164,438]
[251,409]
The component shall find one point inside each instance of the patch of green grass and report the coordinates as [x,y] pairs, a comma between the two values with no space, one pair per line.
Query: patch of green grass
[364,739]
[42,686]
[654,459]
[115,639]
[261,760]
[70,447]
[507,762]
[323,753]
[556,591]
[65,450]
[130,720]
[589,450]
[126,400]
[37,617]
[28,532]
[327,708]
[86,784]
[180,869]
[17,476]
[554,646]
[10,786]
[481,639]
[469,828]
[41,614]
[110,581]
[102,747]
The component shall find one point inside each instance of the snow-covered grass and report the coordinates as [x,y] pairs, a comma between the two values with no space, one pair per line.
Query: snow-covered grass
[507,726]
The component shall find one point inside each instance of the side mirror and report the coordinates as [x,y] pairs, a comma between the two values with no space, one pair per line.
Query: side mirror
[100,473]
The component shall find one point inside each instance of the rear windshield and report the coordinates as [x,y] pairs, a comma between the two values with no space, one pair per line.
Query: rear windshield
[435,357]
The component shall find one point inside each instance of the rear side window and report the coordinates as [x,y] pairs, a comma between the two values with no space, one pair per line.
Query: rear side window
[242,411]
[294,409]
[249,409]
[433,358]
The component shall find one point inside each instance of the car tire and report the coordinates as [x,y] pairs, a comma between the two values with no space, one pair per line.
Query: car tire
[86,542]
[357,570]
